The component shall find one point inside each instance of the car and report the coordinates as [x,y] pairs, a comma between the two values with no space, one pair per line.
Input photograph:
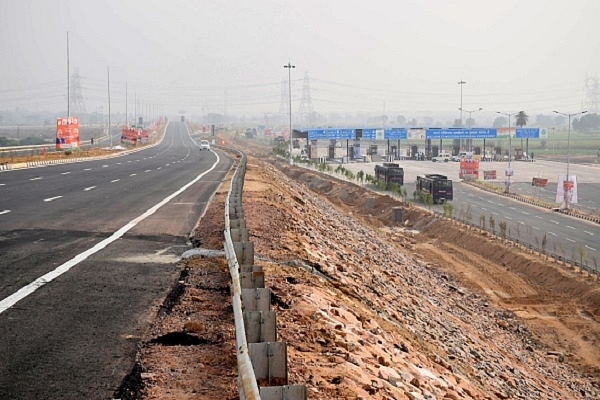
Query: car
[443,156]
[460,156]
[204,145]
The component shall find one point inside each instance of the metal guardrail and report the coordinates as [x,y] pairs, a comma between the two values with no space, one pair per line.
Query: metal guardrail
[260,357]
[247,384]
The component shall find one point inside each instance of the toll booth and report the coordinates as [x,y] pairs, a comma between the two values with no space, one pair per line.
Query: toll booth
[356,153]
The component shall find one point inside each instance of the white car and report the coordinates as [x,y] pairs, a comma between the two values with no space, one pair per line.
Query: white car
[204,145]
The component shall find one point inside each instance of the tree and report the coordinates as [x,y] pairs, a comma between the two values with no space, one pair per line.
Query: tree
[522,119]
[500,122]
[400,120]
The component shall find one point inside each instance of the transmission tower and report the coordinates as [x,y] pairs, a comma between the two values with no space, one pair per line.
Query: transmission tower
[306,111]
[77,105]
[592,92]
[284,106]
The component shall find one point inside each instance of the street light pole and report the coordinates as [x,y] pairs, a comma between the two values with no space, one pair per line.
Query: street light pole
[461,83]
[509,172]
[470,112]
[289,66]
[566,188]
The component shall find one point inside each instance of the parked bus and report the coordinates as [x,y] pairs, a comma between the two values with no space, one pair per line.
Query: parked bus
[438,186]
[389,173]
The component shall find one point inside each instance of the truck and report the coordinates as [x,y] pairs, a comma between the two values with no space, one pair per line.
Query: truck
[390,173]
[442,156]
[436,185]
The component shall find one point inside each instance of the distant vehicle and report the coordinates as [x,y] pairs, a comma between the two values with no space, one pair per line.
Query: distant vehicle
[279,139]
[443,156]
[436,185]
[460,156]
[204,145]
[389,173]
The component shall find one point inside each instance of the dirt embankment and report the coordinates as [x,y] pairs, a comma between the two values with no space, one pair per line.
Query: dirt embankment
[559,304]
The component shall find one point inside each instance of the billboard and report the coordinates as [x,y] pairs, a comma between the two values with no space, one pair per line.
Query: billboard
[469,169]
[566,190]
[129,135]
[490,174]
[67,133]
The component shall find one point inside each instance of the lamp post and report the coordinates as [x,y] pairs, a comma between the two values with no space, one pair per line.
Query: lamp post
[566,188]
[461,83]
[289,66]
[470,112]
[509,172]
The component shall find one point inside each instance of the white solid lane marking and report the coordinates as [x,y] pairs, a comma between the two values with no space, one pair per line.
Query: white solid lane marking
[52,198]
[4,212]
[25,291]
[87,189]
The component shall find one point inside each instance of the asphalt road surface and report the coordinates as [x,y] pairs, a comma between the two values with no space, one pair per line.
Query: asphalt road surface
[88,251]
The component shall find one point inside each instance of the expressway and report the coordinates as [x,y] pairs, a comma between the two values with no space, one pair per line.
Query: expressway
[88,252]
[566,236]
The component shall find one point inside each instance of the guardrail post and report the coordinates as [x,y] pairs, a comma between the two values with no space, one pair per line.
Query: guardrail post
[269,361]
[244,252]
[239,235]
[258,299]
[261,326]
[292,392]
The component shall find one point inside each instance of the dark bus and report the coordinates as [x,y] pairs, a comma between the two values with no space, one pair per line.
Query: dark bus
[438,186]
[389,173]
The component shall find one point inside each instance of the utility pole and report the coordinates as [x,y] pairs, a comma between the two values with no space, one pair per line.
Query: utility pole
[289,66]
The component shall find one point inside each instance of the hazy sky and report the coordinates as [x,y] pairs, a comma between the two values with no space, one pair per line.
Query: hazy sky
[393,57]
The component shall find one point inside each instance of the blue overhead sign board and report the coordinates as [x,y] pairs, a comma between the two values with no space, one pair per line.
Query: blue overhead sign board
[331,133]
[430,133]
[394,134]
[372,134]
[459,133]
[527,133]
